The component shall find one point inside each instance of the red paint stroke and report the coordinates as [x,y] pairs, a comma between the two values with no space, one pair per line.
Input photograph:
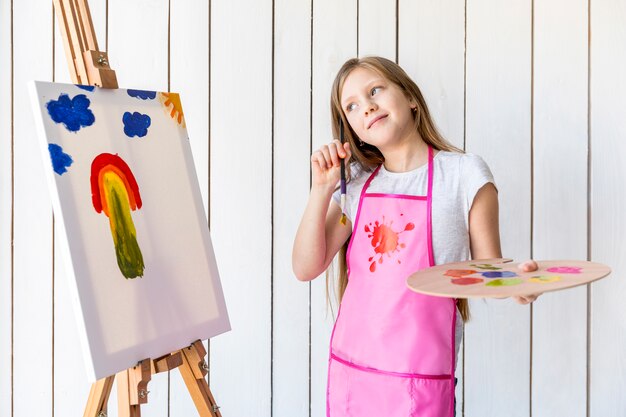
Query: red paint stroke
[106,162]
[384,240]
[466,281]
[459,272]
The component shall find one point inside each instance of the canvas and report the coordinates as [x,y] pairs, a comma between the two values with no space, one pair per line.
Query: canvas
[125,191]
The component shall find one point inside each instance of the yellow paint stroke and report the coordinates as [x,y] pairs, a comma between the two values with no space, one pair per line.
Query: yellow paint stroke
[544,279]
[117,205]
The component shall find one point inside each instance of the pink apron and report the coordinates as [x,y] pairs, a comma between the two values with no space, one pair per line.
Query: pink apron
[392,350]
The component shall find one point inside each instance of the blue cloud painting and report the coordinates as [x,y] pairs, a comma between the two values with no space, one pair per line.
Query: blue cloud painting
[86,87]
[73,113]
[136,124]
[60,160]
[141,94]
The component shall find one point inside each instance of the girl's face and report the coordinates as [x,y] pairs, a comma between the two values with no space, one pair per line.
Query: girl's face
[377,110]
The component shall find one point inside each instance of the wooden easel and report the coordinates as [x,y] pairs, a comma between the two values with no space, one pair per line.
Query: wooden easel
[89,66]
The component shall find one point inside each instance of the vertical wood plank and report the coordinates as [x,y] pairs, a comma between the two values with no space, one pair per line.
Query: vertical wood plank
[71,384]
[189,76]
[241,201]
[32,350]
[431,50]
[138,42]
[608,199]
[292,115]
[559,348]
[431,37]
[334,41]
[377,28]
[6,215]
[497,339]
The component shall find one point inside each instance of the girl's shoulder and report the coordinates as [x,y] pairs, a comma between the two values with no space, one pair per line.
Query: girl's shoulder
[465,163]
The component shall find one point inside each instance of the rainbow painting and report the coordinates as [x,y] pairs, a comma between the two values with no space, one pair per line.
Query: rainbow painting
[115,192]
[132,225]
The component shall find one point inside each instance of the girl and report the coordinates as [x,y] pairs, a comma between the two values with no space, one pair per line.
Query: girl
[413,201]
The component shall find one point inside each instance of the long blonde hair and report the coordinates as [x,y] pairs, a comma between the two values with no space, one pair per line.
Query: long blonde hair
[367,156]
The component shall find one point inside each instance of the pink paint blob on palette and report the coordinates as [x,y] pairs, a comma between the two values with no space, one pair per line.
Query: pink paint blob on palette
[488,278]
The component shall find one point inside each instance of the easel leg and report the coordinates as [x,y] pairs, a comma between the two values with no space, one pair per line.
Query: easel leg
[132,389]
[99,397]
[193,372]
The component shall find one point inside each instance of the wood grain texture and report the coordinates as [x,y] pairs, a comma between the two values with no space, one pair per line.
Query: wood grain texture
[608,199]
[290,326]
[498,129]
[241,201]
[559,338]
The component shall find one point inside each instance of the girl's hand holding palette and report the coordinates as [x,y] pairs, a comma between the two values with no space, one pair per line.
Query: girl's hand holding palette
[498,278]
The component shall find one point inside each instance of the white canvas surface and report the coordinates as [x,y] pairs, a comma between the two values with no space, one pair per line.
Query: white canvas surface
[178,298]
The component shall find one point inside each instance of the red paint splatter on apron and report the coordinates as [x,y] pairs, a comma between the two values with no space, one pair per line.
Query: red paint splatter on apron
[384,240]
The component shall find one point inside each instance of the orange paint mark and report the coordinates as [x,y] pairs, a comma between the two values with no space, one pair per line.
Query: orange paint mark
[384,240]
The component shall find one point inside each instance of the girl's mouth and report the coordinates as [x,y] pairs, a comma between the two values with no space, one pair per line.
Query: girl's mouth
[376,119]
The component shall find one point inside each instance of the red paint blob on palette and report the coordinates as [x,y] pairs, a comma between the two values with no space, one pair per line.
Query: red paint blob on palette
[466,281]
[459,272]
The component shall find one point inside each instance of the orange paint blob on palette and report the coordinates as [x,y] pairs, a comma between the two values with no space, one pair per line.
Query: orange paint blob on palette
[497,278]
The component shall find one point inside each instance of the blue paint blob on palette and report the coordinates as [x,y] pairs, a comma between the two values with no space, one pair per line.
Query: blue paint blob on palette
[499,274]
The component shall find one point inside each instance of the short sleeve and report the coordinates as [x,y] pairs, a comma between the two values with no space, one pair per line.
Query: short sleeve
[476,174]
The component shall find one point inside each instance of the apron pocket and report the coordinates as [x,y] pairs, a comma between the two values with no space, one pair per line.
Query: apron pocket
[354,392]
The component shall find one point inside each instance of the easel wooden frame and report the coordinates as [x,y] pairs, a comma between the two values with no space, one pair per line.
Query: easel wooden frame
[89,66]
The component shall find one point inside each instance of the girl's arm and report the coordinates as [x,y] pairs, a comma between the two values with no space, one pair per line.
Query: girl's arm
[485,233]
[320,234]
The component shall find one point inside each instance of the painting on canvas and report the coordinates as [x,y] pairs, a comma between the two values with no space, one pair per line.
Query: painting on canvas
[125,191]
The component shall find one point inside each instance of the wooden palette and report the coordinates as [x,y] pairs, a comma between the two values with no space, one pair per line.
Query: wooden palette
[498,278]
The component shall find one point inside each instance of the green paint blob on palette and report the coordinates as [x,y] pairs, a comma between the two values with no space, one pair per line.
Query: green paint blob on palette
[500,278]
[500,282]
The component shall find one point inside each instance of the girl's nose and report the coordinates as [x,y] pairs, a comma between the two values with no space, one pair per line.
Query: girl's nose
[371,106]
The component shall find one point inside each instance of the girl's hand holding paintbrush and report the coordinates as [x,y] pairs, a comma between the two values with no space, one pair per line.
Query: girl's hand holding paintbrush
[326,164]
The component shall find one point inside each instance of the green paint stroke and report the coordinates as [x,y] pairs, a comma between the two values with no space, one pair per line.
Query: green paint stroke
[486,266]
[504,282]
[129,257]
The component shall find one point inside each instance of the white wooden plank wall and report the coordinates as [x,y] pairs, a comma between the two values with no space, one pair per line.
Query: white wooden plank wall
[521,83]
[498,93]
[559,139]
[608,199]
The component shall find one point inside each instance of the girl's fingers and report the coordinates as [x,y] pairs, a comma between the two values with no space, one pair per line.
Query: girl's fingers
[324,150]
[346,149]
[334,153]
[528,266]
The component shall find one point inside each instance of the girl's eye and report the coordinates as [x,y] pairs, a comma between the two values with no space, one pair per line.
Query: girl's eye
[375,90]
[351,107]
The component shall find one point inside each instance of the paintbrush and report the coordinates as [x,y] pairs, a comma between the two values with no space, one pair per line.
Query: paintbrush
[344,218]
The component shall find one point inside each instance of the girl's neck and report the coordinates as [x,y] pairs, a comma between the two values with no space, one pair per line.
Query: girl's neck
[406,156]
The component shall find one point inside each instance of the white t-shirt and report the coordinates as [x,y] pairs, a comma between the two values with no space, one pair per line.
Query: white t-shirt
[457,177]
